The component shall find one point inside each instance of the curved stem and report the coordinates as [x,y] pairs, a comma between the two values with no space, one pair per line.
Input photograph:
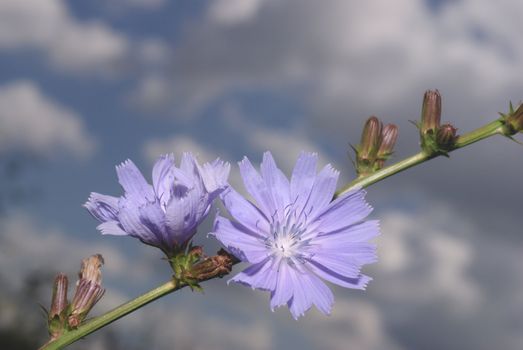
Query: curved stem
[113,315]
[209,268]
[221,264]
[493,128]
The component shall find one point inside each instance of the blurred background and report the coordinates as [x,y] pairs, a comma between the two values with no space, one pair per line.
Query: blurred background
[85,85]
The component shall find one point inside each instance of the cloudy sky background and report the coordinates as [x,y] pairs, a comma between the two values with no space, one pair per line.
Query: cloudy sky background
[86,85]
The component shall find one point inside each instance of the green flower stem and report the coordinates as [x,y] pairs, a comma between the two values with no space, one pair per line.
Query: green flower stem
[209,268]
[491,129]
[212,271]
[113,315]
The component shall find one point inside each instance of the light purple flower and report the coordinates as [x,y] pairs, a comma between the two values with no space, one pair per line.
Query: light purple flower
[296,234]
[166,214]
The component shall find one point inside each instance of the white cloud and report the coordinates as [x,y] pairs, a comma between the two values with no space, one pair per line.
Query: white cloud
[197,329]
[151,94]
[284,144]
[357,323]
[154,51]
[233,11]
[29,246]
[177,144]
[350,56]
[69,44]
[30,121]
[425,259]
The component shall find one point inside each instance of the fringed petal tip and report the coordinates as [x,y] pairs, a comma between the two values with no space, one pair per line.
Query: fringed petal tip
[215,175]
[308,154]
[165,156]
[111,228]
[363,282]
[102,207]
[126,163]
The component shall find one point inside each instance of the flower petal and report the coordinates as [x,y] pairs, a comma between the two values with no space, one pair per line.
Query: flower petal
[245,212]
[320,294]
[215,175]
[360,282]
[102,207]
[163,178]
[359,232]
[302,179]
[188,163]
[338,263]
[259,275]
[257,188]
[277,183]
[129,218]
[344,211]
[133,182]
[236,237]
[322,190]
[111,228]
[284,287]
[153,217]
[182,216]
[301,301]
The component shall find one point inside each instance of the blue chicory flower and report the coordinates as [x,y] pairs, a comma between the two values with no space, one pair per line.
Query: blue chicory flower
[166,214]
[296,234]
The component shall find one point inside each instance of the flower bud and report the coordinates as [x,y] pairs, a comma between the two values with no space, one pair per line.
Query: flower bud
[59,298]
[370,139]
[446,137]
[515,119]
[88,290]
[430,112]
[389,135]
[59,304]
[367,150]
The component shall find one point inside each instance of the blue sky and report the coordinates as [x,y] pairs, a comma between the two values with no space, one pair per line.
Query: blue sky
[86,85]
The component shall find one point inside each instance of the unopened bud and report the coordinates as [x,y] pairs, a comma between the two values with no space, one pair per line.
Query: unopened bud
[430,112]
[59,304]
[88,290]
[59,298]
[446,137]
[515,119]
[389,135]
[370,139]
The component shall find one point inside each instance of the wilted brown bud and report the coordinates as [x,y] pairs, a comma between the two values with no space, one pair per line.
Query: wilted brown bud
[446,137]
[88,290]
[196,252]
[213,266]
[90,269]
[430,112]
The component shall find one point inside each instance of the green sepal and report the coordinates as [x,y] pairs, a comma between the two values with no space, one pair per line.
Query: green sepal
[194,285]
[512,121]
[510,137]
[55,325]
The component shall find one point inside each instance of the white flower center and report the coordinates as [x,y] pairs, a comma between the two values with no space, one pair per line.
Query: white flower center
[285,245]
[286,236]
